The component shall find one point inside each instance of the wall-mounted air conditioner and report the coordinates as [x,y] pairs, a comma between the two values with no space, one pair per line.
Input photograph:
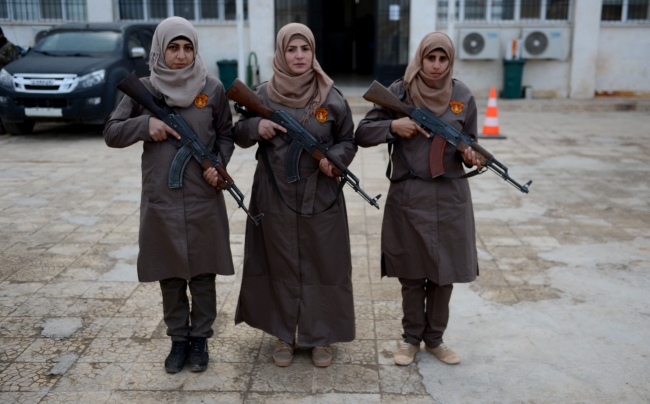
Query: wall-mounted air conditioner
[542,43]
[479,44]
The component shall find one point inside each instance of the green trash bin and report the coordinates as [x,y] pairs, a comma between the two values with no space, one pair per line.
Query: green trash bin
[227,72]
[513,70]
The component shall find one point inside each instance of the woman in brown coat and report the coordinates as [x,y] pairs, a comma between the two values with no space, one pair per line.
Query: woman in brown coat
[184,235]
[297,263]
[428,237]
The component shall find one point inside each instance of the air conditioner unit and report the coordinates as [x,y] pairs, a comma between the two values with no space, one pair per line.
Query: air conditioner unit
[479,44]
[542,43]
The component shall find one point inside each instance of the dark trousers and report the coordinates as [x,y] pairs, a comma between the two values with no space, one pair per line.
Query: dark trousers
[426,311]
[183,323]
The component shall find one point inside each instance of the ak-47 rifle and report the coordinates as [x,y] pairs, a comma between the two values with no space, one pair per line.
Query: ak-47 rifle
[189,146]
[380,95]
[299,138]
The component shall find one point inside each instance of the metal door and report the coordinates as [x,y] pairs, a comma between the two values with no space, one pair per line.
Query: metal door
[392,39]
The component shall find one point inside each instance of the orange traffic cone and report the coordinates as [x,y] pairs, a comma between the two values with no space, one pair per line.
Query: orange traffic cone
[491,124]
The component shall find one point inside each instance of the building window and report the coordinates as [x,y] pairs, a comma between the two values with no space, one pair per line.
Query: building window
[287,11]
[43,10]
[626,11]
[193,10]
[506,10]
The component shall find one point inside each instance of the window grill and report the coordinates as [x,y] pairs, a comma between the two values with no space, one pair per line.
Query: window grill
[506,10]
[287,11]
[192,10]
[43,10]
[625,11]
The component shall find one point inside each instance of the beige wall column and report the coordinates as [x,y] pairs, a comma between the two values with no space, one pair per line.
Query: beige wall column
[261,19]
[584,48]
[100,10]
[423,20]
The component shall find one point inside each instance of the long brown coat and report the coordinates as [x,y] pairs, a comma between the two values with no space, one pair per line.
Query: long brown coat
[297,269]
[184,231]
[428,228]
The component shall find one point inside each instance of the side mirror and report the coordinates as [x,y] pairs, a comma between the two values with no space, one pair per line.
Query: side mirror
[137,53]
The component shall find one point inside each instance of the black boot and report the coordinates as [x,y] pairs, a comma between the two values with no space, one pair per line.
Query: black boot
[199,354]
[177,356]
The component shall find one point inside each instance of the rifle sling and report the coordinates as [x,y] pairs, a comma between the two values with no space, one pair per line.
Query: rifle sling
[411,175]
[265,158]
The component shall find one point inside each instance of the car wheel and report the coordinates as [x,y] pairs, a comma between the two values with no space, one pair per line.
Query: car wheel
[22,128]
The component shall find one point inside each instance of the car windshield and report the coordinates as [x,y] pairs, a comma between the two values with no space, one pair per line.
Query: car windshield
[79,42]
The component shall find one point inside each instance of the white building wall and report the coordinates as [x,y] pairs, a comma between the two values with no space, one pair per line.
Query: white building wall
[100,11]
[23,34]
[261,17]
[219,42]
[548,78]
[423,21]
[623,62]
[586,28]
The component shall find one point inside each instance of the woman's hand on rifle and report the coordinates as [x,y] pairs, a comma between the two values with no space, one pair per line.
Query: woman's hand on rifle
[266,128]
[158,130]
[214,178]
[469,156]
[406,128]
[326,167]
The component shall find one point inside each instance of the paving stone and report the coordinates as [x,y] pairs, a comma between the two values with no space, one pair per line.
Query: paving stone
[346,378]
[122,327]
[298,398]
[297,378]
[365,329]
[95,397]
[43,350]
[110,290]
[405,380]
[94,307]
[11,348]
[122,350]
[173,397]
[220,377]
[43,306]
[20,398]
[20,377]
[21,327]
[86,377]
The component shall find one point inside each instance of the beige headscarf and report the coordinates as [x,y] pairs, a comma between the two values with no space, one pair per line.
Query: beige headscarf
[180,87]
[425,91]
[308,89]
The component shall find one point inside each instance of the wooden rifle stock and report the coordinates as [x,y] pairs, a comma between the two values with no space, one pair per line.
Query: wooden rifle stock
[133,87]
[381,96]
[242,95]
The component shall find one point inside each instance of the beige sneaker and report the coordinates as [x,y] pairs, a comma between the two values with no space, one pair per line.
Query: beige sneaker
[445,354]
[283,354]
[321,356]
[405,354]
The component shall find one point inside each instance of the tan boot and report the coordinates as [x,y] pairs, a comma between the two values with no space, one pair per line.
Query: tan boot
[405,354]
[283,354]
[321,356]
[445,354]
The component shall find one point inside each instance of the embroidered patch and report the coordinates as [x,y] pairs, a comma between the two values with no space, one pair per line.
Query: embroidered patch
[321,114]
[201,100]
[456,107]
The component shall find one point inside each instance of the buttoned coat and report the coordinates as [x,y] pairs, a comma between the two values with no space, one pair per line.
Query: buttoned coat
[297,269]
[428,228]
[183,231]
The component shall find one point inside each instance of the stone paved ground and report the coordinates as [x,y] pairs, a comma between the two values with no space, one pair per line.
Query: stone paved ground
[560,312]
